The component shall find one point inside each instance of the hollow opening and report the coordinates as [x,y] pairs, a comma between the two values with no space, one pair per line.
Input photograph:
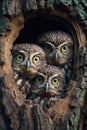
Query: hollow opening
[40,24]
[37,26]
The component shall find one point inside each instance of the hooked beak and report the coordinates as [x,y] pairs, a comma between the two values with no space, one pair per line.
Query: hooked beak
[28,65]
[30,69]
[56,55]
[53,57]
[50,90]
[47,88]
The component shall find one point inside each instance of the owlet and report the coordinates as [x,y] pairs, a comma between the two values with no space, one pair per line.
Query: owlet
[47,86]
[59,49]
[27,59]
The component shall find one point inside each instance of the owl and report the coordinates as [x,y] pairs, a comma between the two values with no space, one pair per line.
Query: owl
[27,59]
[59,49]
[47,86]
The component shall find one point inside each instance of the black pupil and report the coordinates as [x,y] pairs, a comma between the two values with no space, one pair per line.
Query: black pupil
[36,59]
[39,79]
[19,57]
[48,48]
[64,47]
[55,80]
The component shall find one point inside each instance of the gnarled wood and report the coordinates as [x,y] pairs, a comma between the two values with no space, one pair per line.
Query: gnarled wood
[68,113]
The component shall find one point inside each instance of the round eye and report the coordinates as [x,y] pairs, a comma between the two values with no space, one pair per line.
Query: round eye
[39,80]
[48,48]
[36,59]
[20,58]
[55,81]
[65,48]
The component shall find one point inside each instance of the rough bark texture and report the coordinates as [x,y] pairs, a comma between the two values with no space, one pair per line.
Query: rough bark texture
[16,113]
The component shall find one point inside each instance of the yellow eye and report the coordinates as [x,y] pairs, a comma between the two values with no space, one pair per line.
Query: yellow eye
[65,48]
[36,59]
[55,81]
[20,58]
[39,80]
[48,48]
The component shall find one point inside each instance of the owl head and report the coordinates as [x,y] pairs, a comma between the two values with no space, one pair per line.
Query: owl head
[27,59]
[50,81]
[58,47]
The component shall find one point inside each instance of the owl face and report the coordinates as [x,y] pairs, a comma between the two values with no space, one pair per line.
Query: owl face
[58,47]
[50,81]
[27,59]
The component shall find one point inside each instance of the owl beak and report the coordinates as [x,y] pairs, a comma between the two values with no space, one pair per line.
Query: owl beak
[50,90]
[28,65]
[30,69]
[56,56]
[47,88]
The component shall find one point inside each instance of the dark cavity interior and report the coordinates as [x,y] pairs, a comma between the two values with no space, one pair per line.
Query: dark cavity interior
[37,25]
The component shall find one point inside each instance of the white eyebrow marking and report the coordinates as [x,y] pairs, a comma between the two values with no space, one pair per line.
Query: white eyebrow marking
[63,43]
[55,75]
[22,51]
[36,53]
[51,44]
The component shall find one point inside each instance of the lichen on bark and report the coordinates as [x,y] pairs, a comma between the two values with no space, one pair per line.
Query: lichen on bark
[4,24]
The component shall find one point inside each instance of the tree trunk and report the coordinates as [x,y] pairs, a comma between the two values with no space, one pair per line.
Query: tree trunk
[16,113]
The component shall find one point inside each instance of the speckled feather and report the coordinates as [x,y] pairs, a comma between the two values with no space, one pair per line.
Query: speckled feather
[21,74]
[28,47]
[41,97]
[55,37]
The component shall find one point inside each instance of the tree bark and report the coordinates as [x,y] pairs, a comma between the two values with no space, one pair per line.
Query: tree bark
[17,113]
